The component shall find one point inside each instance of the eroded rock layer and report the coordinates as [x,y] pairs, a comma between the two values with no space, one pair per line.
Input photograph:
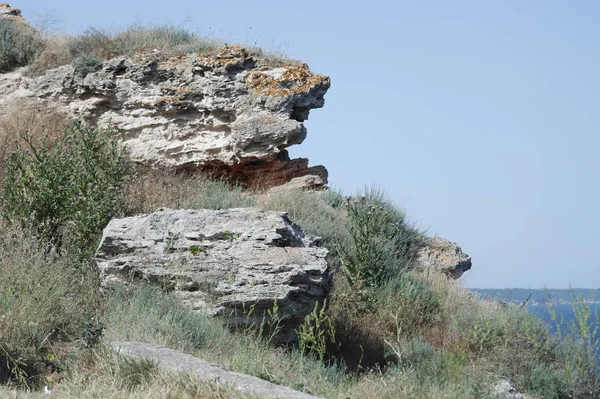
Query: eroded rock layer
[226,113]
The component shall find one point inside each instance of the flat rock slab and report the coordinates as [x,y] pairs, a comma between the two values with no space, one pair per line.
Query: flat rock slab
[171,360]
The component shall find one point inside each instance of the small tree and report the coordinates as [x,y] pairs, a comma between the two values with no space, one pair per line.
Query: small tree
[68,187]
[382,245]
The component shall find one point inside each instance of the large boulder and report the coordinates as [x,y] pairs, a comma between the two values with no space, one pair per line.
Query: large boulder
[445,257]
[238,264]
[227,114]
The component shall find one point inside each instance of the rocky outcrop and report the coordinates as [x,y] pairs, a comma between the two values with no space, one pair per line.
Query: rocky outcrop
[173,361]
[308,182]
[238,264]
[8,13]
[444,256]
[226,114]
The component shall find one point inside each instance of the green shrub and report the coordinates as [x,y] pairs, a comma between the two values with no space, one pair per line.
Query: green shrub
[68,190]
[86,63]
[382,244]
[19,44]
[316,332]
[412,304]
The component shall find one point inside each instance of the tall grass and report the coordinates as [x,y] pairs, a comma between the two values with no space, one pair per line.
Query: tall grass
[44,300]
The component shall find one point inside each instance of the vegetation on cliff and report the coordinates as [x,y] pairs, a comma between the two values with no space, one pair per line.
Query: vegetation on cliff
[21,45]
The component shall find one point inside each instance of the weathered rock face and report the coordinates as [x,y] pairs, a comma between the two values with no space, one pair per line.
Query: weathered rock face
[444,256]
[10,13]
[229,262]
[225,113]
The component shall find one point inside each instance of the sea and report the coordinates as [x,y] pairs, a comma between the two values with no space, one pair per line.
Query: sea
[566,317]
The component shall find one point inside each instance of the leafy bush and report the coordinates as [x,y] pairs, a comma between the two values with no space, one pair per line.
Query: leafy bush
[70,189]
[19,44]
[382,244]
[86,63]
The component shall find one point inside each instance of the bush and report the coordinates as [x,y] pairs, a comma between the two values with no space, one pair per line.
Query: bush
[19,44]
[382,244]
[68,190]
[86,63]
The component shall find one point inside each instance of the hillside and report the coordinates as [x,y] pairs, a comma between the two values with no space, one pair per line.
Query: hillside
[148,205]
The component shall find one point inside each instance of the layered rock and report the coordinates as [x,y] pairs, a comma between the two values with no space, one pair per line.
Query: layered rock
[238,264]
[445,257]
[226,114]
[8,13]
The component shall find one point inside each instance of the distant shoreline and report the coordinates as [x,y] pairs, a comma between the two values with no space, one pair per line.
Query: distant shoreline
[520,296]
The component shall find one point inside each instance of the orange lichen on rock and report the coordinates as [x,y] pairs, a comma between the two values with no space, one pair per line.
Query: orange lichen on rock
[229,56]
[292,80]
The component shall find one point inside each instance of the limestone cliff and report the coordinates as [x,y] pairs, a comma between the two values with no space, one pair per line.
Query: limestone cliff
[227,113]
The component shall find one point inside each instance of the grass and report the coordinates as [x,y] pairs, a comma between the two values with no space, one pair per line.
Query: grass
[87,51]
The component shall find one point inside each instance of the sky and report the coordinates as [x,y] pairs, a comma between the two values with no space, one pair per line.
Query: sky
[479,118]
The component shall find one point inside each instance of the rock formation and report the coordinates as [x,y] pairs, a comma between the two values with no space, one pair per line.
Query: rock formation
[308,182]
[226,114]
[173,361]
[236,263]
[10,13]
[444,256]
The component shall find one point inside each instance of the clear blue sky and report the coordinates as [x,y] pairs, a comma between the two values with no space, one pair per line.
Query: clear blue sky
[480,118]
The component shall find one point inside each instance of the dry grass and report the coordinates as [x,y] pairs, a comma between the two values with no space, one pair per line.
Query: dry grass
[45,301]
[153,189]
[27,119]
[170,41]
[54,54]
